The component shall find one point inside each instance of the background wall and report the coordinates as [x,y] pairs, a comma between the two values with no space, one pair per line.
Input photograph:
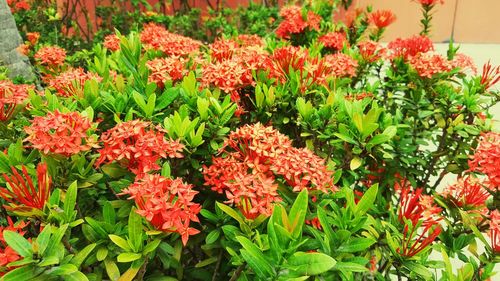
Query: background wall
[476,21]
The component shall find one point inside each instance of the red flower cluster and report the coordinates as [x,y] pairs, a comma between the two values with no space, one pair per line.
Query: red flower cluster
[249,40]
[22,193]
[61,133]
[51,56]
[223,49]
[157,37]
[71,82]
[7,254]
[33,37]
[166,69]
[11,96]
[417,210]
[371,51]
[18,5]
[486,159]
[490,76]
[382,18]
[253,157]
[464,62]
[166,203]
[112,42]
[288,58]
[467,193]
[334,40]
[295,23]
[428,64]
[494,231]
[137,146]
[410,47]
[341,65]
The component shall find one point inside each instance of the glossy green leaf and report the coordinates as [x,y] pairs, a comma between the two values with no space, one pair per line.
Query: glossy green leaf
[310,263]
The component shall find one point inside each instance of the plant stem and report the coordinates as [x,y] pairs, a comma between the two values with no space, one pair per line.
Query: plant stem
[217,266]
[237,273]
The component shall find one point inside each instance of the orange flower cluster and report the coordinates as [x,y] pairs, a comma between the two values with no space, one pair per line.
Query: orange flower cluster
[71,82]
[416,209]
[410,47]
[61,133]
[112,42]
[157,37]
[250,40]
[166,69]
[295,23]
[22,193]
[464,62]
[137,146]
[33,37]
[486,159]
[428,64]
[254,157]
[7,254]
[371,51]
[382,18]
[51,56]
[166,203]
[18,5]
[288,58]
[11,96]
[467,193]
[334,40]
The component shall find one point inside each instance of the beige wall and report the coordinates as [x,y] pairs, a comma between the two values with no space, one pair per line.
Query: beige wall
[477,21]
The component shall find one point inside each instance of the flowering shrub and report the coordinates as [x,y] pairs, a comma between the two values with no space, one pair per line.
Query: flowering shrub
[313,152]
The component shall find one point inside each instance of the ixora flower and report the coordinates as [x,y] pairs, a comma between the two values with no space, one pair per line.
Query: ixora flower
[490,75]
[382,18]
[409,47]
[61,133]
[371,51]
[7,254]
[294,22]
[51,56]
[341,65]
[22,195]
[158,38]
[417,211]
[112,42]
[166,203]
[166,69]
[71,82]
[138,146]
[11,97]
[429,2]
[494,231]
[467,193]
[486,159]
[33,37]
[427,64]
[464,62]
[334,40]
[253,159]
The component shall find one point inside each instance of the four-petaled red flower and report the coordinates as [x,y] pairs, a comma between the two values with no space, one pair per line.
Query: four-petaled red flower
[382,18]
[427,64]
[51,56]
[334,40]
[138,146]
[410,47]
[294,21]
[341,65]
[61,133]
[22,194]
[166,203]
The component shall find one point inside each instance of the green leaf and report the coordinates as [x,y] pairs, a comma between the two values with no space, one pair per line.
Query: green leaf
[120,242]
[24,273]
[212,236]
[151,246]
[206,262]
[130,274]
[298,213]
[366,202]
[18,243]
[232,213]
[350,267]
[150,108]
[70,202]
[310,263]
[79,258]
[418,269]
[135,230]
[255,258]
[355,163]
[356,245]
[139,100]
[102,253]
[43,239]
[76,276]
[111,269]
[109,214]
[49,261]
[128,257]
[64,269]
